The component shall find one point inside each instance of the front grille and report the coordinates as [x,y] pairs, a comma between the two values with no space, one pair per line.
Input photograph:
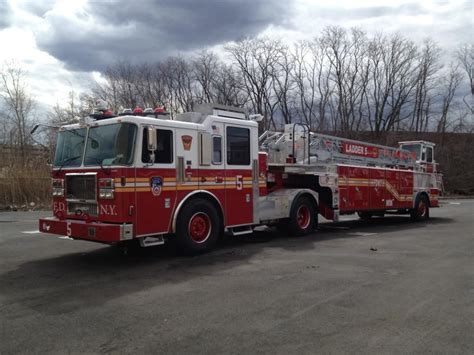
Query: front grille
[79,208]
[81,187]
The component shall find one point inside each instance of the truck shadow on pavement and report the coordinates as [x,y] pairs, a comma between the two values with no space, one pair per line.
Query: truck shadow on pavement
[64,283]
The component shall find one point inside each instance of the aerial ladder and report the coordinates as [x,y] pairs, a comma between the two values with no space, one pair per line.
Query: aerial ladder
[298,145]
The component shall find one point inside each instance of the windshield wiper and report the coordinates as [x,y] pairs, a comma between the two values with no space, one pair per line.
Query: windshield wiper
[65,161]
[99,161]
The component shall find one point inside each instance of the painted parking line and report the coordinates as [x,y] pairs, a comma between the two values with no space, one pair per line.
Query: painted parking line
[455,203]
[31,232]
[65,237]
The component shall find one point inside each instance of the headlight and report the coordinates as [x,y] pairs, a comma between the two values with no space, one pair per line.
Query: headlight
[106,189]
[58,192]
[106,194]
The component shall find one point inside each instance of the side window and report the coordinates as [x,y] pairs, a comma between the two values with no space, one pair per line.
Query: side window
[217,150]
[238,146]
[164,150]
[429,155]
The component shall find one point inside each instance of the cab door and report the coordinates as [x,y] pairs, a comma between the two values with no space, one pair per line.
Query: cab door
[239,192]
[155,184]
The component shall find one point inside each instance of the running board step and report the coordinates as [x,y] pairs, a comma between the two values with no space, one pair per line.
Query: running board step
[241,230]
[152,241]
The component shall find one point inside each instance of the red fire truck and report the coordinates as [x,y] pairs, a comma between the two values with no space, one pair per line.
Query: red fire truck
[145,178]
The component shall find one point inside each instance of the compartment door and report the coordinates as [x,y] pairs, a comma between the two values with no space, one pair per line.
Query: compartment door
[406,189]
[344,184]
[377,188]
[359,189]
[392,189]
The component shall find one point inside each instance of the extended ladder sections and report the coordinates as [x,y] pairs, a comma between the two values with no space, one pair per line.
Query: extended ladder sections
[297,145]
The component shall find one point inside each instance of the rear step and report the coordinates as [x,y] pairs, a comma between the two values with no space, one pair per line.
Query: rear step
[241,230]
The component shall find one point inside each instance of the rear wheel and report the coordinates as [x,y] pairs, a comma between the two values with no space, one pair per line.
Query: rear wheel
[303,217]
[198,227]
[422,209]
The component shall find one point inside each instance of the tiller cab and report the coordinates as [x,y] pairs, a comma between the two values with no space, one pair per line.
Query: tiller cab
[144,178]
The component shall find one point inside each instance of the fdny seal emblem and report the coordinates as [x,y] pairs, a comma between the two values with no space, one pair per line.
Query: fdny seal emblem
[187,141]
[156,186]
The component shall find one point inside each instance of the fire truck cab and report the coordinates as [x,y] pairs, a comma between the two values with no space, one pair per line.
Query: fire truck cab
[424,153]
[145,178]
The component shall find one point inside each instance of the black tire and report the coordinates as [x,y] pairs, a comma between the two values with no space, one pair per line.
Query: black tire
[282,226]
[303,217]
[365,216]
[421,212]
[130,247]
[198,227]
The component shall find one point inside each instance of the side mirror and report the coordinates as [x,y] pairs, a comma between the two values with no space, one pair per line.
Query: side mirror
[151,132]
[152,144]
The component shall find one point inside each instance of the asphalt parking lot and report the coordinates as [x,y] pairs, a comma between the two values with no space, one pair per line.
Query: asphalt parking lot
[266,293]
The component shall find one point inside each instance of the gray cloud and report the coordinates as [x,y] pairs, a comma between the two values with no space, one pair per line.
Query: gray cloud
[38,8]
[150,30]
[338,13]
[5,14]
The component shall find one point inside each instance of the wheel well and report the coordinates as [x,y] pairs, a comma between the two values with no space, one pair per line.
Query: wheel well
[424,193]
[325,196]
[205,196]
[305,194]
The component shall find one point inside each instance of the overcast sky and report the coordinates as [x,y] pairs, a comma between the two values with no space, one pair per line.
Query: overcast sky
[64,44]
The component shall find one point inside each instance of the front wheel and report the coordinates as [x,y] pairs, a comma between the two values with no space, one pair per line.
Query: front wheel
[303,217]
[198,227]
[364,215]
[422,209]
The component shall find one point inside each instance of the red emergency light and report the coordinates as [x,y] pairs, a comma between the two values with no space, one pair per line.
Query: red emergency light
[137,110]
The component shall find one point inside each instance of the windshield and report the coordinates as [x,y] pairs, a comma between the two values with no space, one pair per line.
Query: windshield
[69,147]
[414,148]
[110,145]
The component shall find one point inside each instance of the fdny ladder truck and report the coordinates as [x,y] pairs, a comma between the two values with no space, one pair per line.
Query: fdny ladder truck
[143,178]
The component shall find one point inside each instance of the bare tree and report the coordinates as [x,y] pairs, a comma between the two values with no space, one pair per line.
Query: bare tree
[304,77]
[465,56]
[283,83]
[348,71]
[256,59]
[228,86]
[205,67]
[18,105]
[394,69]
[77,106]
[4,126]
[450,84]
[427,68]
[177,75]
